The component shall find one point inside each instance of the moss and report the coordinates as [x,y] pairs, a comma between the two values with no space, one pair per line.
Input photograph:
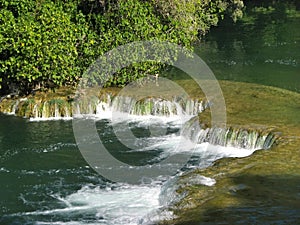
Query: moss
[272,174]
[270,177]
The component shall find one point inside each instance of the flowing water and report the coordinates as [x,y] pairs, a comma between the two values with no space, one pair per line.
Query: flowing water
[45,180]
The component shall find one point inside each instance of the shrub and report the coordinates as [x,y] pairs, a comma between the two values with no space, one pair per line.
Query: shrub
[50,43]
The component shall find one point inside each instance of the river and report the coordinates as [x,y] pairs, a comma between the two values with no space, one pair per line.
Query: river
[45,180]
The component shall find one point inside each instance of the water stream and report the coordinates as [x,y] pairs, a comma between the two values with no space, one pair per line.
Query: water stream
[45,180]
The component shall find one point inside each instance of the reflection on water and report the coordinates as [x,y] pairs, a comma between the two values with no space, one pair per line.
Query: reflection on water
[263,47]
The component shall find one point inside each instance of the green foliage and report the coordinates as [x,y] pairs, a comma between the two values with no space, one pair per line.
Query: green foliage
[40,44]
[188,19]
[128,21]
[47,43]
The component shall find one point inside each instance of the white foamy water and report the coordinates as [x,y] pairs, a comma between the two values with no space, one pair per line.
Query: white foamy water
[37,119]
[174,144]
[122,108]
[122,205]
[136,204]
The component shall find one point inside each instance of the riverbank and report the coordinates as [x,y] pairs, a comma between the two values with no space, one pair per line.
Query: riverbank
[262,188]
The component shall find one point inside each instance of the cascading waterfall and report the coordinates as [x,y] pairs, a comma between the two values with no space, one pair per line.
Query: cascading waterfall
[38,110]
[237,137]
[141,107]
[48,110]
[145,203]
[228,137]
[63,109]
[12,108]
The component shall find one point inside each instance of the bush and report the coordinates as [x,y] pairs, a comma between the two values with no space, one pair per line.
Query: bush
[39,45]
[48,43]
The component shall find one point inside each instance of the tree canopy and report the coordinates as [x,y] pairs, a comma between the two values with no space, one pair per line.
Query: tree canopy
[46,43]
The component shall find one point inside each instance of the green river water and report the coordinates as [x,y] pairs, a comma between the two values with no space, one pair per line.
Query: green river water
[45,180]
[263,48]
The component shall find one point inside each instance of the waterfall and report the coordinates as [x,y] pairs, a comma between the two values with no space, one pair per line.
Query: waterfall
[35,112]
[140,107]
[104,105]
[192,129]
[237,137]
[228,137]
[61,108]
[12,108]
[158,107]
[45,110]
